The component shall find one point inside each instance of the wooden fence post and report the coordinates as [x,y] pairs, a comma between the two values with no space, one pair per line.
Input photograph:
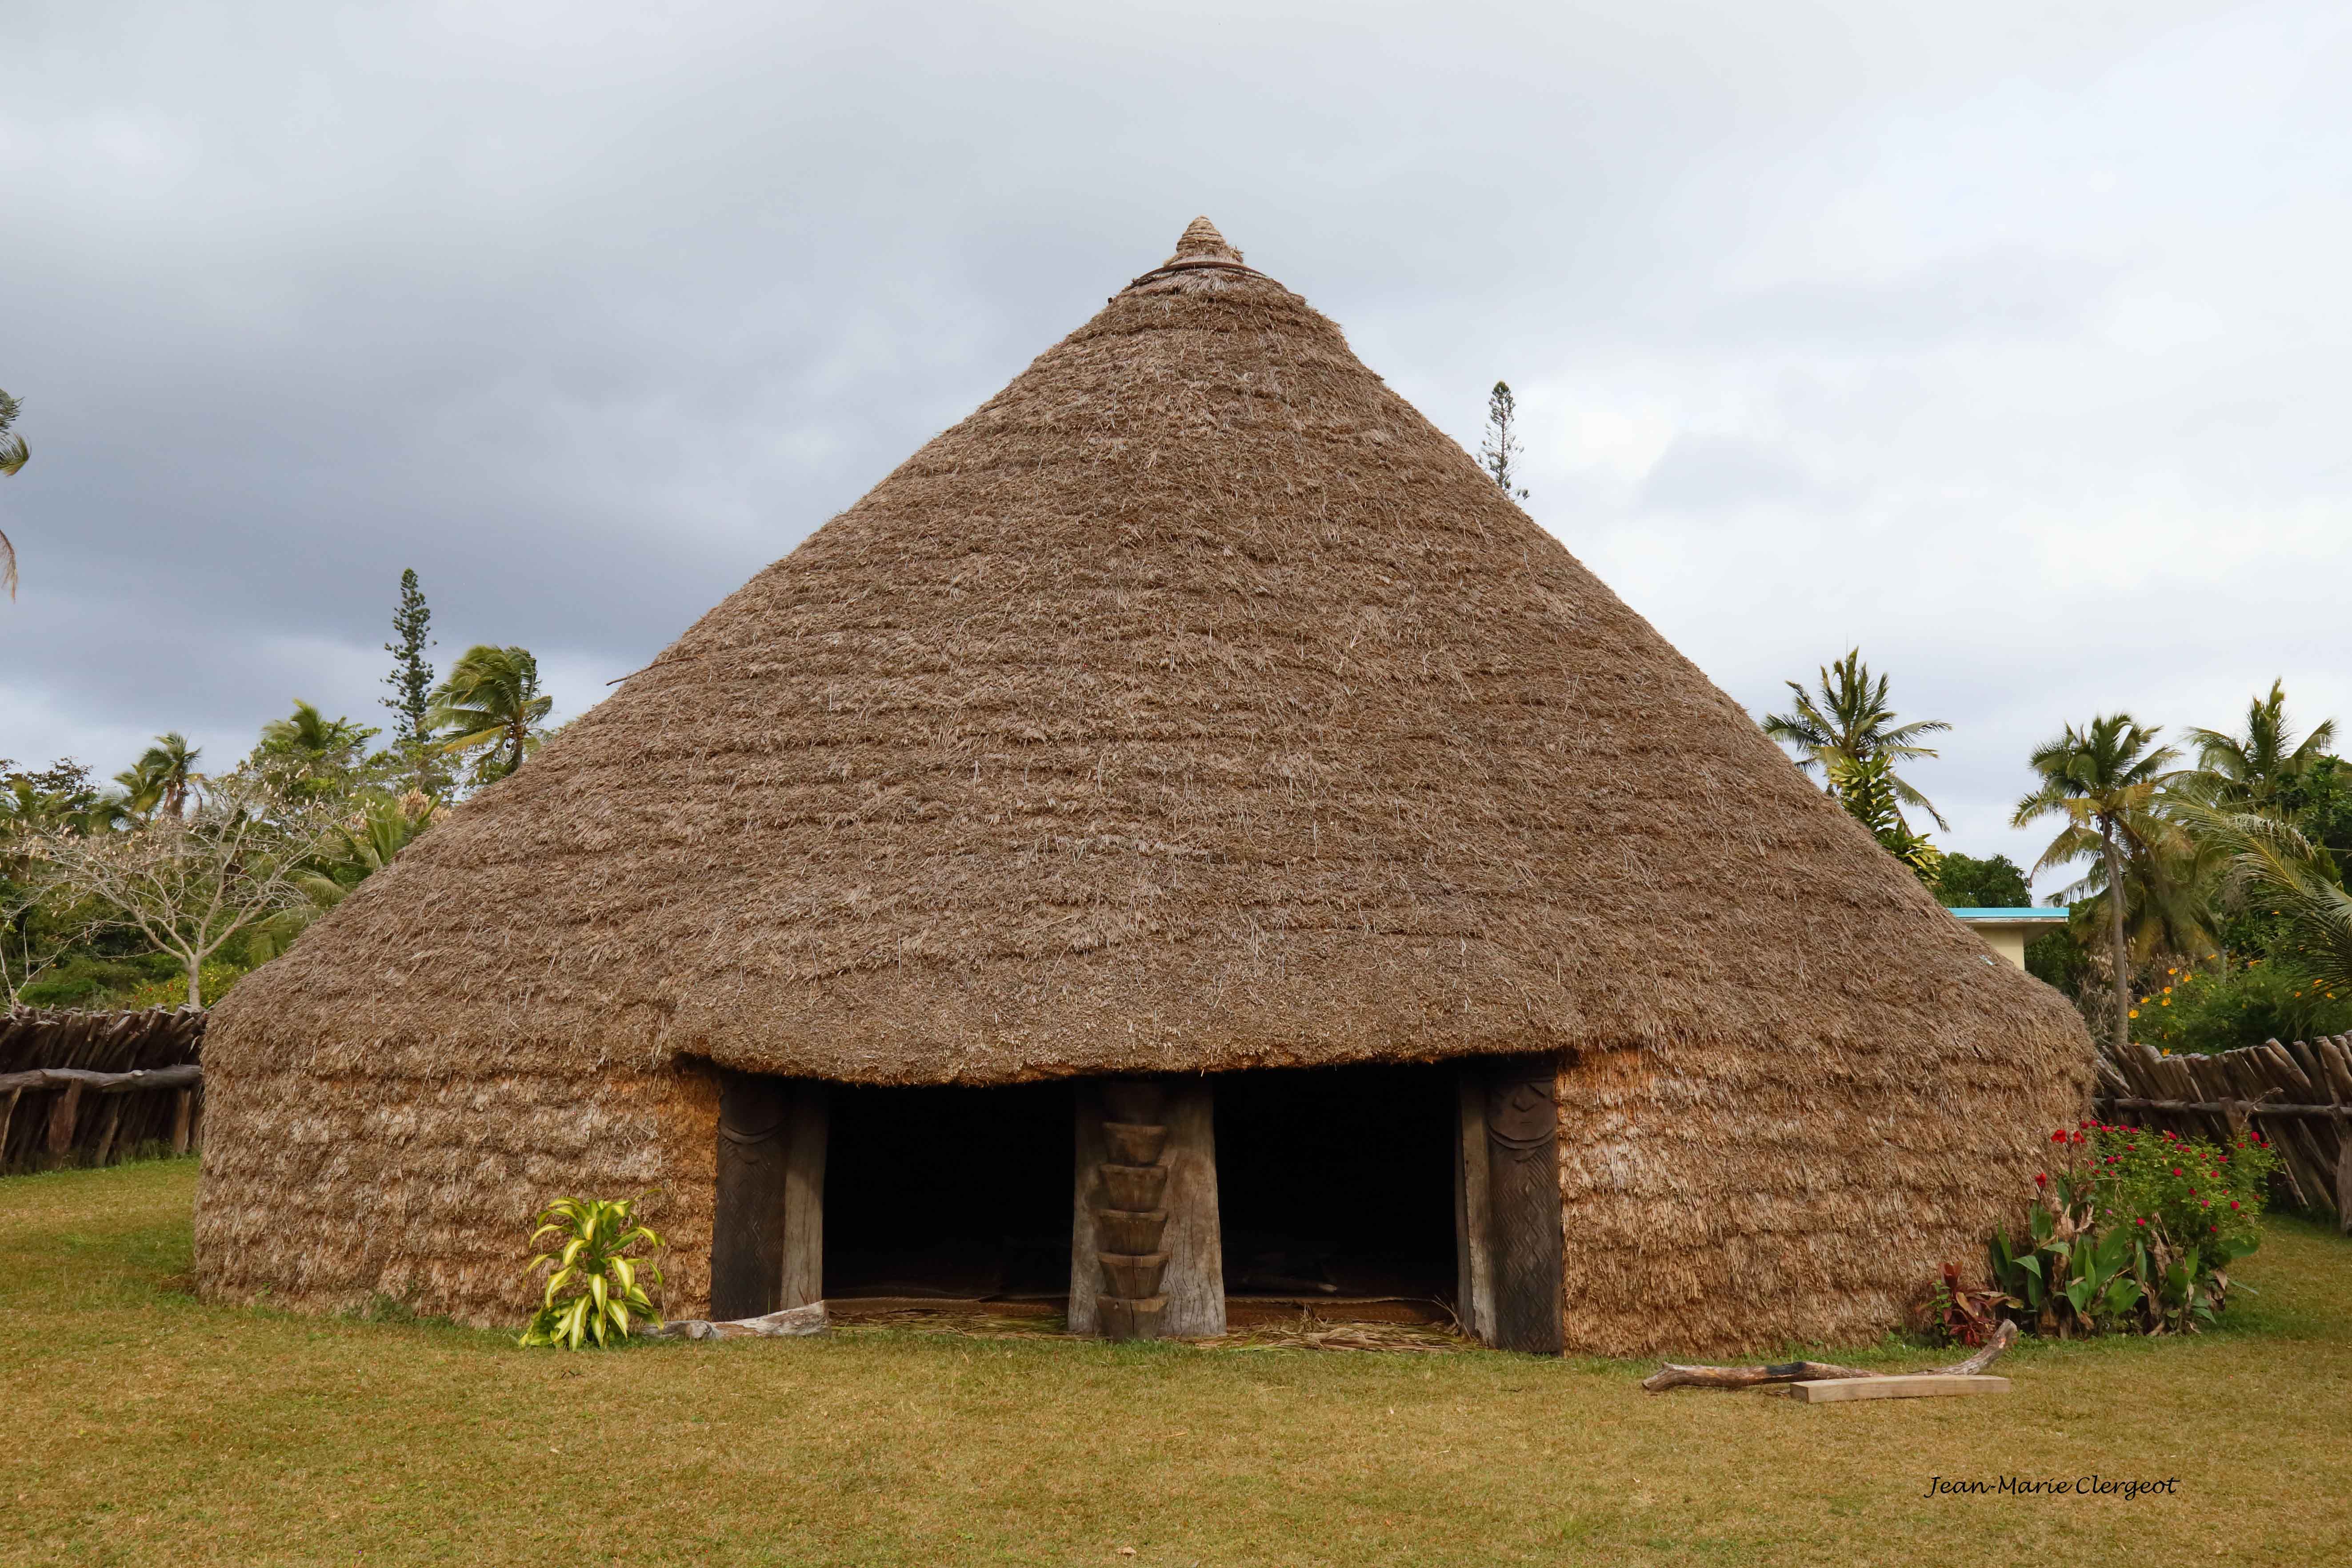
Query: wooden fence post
[61,1121]
[2344,1187]
[112,1124]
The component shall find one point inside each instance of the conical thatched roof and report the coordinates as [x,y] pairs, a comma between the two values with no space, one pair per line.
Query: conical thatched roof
[1194,704]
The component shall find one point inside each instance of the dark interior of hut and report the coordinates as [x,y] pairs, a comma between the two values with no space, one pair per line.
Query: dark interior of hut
[949,1192]
[1335,1190]
[1335,1187]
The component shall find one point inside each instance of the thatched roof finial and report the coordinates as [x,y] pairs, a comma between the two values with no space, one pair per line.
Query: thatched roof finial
[1201,241]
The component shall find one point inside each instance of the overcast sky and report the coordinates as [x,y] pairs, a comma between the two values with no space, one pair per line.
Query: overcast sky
[2007,341]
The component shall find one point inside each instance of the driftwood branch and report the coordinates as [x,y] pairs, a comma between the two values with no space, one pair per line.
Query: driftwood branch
[790,1323]
[187,1076]
[1671,1375]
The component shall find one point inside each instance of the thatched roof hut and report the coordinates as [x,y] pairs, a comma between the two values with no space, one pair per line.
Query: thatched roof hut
[1193,711]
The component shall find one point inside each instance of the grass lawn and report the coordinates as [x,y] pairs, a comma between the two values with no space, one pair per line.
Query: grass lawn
[144,1427]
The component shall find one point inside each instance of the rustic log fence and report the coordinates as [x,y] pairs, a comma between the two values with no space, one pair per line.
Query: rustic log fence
[2298,1096]
[92,1088]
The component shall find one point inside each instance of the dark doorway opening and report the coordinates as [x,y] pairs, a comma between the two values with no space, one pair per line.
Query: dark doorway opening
[950,1193]
[1336,1187]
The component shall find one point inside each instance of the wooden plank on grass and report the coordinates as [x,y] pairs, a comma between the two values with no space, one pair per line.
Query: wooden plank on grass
[1916,1385]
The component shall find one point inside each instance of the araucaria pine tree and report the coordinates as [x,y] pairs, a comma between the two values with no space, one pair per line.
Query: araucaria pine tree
[412,681]
[1499,451]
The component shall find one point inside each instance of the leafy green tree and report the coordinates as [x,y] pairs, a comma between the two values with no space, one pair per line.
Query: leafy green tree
[38,929]
[412,685]
[1498,454]
[59,798]
[13,455]
[2104,781]
[492,704]
[1848,722]
[1965,882]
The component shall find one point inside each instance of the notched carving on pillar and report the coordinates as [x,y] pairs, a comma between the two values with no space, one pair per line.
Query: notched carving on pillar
[1131,1216]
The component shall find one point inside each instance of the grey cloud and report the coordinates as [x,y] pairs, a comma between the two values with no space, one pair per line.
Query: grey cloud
[2010,292]
[588,312]
[1703,473]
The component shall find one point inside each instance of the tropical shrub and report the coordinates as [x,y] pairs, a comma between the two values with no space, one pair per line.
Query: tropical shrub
[1959,1313]
[595,1290]
[212,981]
[2222,1007]
[2134,1231]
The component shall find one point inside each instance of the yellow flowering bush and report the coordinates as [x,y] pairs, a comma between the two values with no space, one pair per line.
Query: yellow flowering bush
[2224,1006]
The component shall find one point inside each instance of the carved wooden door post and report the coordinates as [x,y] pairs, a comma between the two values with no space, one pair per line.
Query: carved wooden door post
[1507,1204]
[767,1238]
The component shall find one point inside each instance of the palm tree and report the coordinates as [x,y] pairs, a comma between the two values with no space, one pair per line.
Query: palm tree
[2103,780]
[492,699]
[13,455]
[2271,857]
[1850,724]
[2251,772]
[307,731]
[309,749]
[356,849]
[164,778]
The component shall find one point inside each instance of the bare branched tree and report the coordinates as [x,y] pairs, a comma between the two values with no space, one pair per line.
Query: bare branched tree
[191,884]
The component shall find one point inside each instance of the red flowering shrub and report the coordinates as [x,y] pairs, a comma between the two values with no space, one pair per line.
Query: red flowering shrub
[2133,1229]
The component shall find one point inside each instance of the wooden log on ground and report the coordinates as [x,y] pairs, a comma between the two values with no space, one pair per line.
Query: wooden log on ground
[83,1079]
[1675,1375]
[2221,1108]
[1915,1385]
[793,1322]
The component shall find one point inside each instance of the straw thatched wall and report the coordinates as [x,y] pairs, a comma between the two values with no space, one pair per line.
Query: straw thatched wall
[1194,705]
[423,1189]
[1718,1205]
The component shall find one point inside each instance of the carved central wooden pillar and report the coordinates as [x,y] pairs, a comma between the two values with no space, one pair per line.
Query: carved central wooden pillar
[1146,1251]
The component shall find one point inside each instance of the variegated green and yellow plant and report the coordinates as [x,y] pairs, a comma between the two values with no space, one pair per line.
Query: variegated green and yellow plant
[595,1290]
